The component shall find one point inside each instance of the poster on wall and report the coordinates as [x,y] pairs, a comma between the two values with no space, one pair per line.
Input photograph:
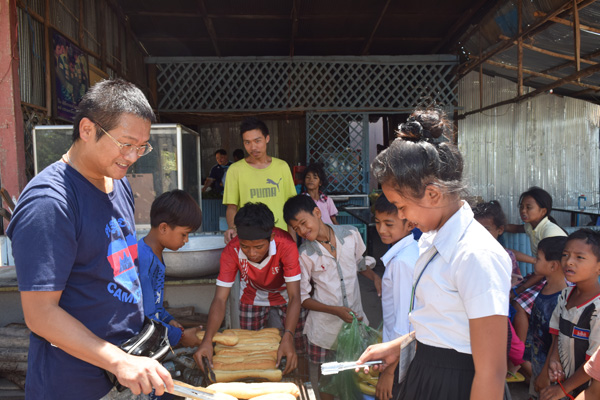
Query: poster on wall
[71,76]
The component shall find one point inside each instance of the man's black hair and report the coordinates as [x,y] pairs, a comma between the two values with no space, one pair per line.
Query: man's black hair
[221,151]
[238,154]
[295,205]
[590,237]
[176,208]
[251,123]
[383,205]
[552,247]
[107,101]
[255,215]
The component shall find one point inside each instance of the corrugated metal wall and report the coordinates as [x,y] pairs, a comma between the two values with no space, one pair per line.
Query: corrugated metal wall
[31,57]
[548,141]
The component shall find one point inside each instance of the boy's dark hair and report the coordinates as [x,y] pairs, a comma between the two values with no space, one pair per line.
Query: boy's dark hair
[255,215]
[238,154]
[383,205]
[107,101]
[491,209]
[552,247]
[590,237]
[221,151]
[295,205]
[251,123]
[176,208]
[317,169]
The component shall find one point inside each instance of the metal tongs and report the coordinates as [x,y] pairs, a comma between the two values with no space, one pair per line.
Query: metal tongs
[193,392]
[332,368]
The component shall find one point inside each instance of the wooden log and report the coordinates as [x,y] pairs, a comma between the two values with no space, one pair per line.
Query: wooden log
[20,325]
[193,320]
[12,342]
[14,331]
[13,354]
[16,378]
[8,367]
[180,311]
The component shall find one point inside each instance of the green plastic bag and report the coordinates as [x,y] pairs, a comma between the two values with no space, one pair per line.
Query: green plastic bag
[352,341]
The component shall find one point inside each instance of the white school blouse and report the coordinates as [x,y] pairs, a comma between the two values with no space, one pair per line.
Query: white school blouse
[469,278]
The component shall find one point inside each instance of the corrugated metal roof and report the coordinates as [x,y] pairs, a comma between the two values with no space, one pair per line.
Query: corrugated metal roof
[556,37]
[227,28]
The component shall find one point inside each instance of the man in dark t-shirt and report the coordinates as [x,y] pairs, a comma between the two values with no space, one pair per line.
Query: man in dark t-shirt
[215,177]
[74,244]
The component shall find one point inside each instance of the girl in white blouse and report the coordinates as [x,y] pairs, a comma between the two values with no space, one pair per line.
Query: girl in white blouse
[461,279]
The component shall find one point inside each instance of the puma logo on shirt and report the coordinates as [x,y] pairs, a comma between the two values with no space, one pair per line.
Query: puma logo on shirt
[266,191]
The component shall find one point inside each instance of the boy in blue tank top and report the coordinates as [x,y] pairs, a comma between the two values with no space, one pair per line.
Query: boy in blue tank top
[173,216]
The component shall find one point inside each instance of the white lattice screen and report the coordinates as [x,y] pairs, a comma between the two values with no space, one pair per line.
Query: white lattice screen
[302,84]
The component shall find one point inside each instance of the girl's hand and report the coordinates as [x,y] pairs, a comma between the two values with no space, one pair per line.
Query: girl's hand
[344,314]
[388,352]
[553,392]
[555,371]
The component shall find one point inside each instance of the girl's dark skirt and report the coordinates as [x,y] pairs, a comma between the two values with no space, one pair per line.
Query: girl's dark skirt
[438,374]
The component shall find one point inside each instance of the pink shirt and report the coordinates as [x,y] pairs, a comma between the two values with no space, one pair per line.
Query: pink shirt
[326,206]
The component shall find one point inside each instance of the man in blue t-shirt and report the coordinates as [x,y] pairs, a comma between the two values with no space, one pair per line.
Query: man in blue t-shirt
[75,249]
[215,178]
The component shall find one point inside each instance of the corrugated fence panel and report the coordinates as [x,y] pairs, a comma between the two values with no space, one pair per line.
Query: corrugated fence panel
[548,141]
[31,59]
[65,14]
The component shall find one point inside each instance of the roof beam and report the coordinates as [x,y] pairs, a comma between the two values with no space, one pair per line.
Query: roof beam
[294,17]
[548,52]
[569,63]
[533,29]
[539,74]
[566,22]
[282,39]
[566,80]
[209,27]
[367,45]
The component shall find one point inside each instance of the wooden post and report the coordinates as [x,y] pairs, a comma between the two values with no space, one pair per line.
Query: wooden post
[48,56]
[12,138]
[576,38]
[480,73]
[520,48]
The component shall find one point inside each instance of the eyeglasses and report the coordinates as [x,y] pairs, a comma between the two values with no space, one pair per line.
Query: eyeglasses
[126,148]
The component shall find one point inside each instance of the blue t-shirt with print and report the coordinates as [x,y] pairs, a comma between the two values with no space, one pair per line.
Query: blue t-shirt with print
[539,339]
[69,236]
[152,277]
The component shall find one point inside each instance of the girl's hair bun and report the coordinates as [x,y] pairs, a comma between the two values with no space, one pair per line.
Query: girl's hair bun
[411,131]
[424,125]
